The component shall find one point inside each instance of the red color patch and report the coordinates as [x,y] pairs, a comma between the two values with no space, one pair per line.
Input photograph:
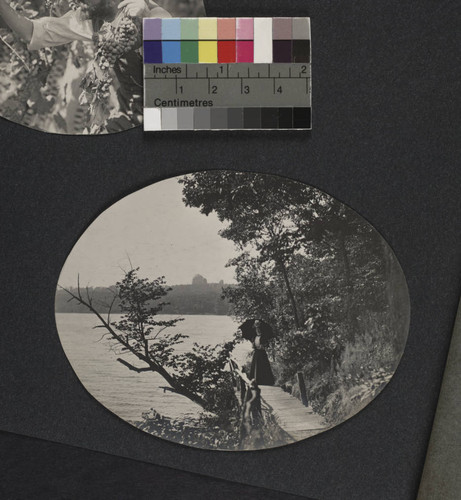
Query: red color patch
[226,51]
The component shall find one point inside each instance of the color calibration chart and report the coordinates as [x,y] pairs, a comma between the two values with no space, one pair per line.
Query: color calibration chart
[227,73]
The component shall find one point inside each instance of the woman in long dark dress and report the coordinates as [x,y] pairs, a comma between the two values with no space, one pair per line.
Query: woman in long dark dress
[260,369]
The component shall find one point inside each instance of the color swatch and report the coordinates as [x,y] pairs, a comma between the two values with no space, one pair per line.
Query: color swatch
[227,74]
[226,40]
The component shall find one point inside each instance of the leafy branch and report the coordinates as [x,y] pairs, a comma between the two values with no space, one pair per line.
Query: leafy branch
[198,375]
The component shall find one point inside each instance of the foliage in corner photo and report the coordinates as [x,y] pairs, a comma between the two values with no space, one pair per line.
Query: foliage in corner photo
[87,82]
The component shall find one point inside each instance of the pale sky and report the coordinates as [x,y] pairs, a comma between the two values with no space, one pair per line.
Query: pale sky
[158,233]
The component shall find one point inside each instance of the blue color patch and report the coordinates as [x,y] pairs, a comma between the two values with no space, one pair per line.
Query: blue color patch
[171,52]
[152,52]
[171,29]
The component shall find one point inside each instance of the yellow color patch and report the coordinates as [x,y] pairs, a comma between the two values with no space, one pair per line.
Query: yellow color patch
[208,28]
[208,52]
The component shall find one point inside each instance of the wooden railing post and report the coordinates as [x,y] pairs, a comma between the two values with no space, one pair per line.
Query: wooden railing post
[302,389]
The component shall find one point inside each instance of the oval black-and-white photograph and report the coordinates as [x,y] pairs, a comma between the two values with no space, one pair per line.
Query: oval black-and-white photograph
[232,311]
[75,66]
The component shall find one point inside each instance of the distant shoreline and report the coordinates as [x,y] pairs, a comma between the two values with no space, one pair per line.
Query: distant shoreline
[160,314]
[198,298]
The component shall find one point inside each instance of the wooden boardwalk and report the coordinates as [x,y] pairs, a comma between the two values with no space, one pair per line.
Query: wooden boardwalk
[297,420]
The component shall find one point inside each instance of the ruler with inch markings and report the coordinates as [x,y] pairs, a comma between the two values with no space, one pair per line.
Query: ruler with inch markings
[229,85]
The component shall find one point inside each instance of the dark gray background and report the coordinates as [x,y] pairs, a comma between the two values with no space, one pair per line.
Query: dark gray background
[385,141]
[37,469]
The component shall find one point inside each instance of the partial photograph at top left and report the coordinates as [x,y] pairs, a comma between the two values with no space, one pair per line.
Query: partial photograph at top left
[75,66]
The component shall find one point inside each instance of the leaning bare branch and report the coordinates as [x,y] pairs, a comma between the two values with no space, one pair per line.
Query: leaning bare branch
[165,388]
[143,355]
[133,368]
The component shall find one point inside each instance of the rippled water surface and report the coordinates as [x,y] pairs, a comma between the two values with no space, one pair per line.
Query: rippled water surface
[127,393]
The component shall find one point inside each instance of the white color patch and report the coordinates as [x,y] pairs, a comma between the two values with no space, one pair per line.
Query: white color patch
[263,40]
[152,119]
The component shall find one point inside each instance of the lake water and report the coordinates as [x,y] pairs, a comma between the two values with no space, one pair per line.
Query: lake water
[127,393]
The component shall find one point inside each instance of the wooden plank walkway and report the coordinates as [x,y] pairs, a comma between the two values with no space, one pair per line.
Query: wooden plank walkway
[297,420]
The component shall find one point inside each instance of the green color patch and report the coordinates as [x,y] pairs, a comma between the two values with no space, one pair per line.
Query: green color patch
[189,29]
[189,51]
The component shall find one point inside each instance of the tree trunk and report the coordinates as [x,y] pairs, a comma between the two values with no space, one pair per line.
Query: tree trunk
[290,295]
[179,389]
[351,312]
